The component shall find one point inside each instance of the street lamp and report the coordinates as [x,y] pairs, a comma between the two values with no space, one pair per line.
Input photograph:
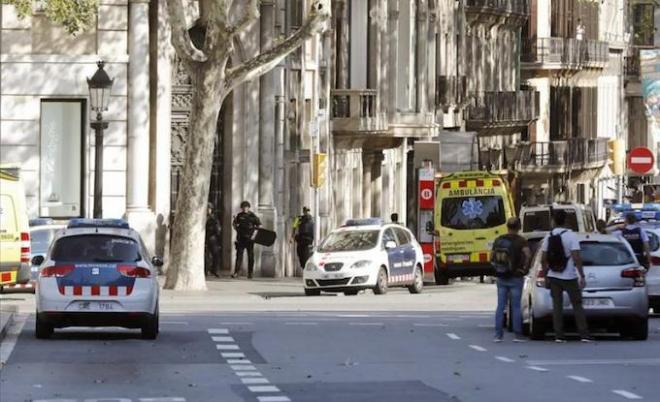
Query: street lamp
[100,86]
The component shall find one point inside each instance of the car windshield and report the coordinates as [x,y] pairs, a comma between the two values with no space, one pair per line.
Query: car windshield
[352,240]
[464,213]
[40,240]
[654,241]
[605,253]
[96,248]
[540,221]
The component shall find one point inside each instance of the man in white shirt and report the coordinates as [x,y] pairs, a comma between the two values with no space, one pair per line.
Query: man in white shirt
[567,277]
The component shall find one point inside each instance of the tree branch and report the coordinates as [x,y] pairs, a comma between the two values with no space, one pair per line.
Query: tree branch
[180,36]
[264,62]
[250,15]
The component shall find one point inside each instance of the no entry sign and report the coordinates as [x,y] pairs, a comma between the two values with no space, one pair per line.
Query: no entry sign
[641,160]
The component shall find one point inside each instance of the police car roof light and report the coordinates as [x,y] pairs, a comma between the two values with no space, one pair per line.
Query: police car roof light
[97,223]
[365,222]
[41,221]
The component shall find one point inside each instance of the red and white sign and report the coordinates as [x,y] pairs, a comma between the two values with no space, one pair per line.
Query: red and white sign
[427,249]
[426,188]
[641,160]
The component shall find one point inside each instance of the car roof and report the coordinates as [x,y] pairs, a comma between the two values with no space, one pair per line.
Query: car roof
[597,237]
[67,232]
[543,207]
[47,227]
[369,227]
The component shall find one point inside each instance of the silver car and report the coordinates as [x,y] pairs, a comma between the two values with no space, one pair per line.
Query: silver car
[615,296]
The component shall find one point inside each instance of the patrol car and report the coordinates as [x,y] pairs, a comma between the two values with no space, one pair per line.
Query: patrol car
[365,254]
[97,272]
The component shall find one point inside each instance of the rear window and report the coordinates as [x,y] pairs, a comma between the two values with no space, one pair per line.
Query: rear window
[540,221]
[96,248]
[605,253]
[465,213]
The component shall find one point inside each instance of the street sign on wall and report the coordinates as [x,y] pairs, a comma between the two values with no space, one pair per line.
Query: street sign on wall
[641,160]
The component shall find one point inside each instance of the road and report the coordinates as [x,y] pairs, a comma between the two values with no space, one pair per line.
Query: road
[272,356]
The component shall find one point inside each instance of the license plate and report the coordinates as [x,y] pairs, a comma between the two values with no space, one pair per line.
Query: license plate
[597,302]
[95,306]
[333,276]
[459,257]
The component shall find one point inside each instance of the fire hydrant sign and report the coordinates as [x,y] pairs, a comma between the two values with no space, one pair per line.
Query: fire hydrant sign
[641,160]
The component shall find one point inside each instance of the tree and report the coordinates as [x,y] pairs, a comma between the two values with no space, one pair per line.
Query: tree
[74,15]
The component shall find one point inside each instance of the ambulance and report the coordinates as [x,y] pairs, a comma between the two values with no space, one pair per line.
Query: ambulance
[15,264]
[470,213]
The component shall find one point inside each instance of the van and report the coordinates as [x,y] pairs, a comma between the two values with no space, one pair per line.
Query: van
[536,221]
[471,212]
[14,230]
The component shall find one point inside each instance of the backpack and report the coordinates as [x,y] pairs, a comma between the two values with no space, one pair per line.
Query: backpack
[503,257]
[556,254]
[306,228]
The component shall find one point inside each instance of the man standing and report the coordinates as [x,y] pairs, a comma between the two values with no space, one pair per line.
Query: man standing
[637,238]
[562,268]
[303,234]
[395,218]
[212,254]
[510,258]
[246,224]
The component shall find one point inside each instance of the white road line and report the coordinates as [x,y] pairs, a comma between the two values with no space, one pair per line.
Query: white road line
[477,348]
[226,347]
[248,374]
[240,367]
[419,324]
[301,323]
[596,362]
[504,359]
[238,361]
[537,368]
[453,336]
[11,337]
[220,331]
[223,339]
[162,399]
[353,316]
[263,388]
[412,316]
[579,379]
[366,324]
[273,399]
[626,394]
[254,381]
[232,355]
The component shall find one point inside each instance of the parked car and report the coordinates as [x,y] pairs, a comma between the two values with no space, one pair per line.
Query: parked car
[653,274]
[365,254]
[615,295]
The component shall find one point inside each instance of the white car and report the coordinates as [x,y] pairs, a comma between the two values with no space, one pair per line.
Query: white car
[97,272]
[653,275]
[365,254]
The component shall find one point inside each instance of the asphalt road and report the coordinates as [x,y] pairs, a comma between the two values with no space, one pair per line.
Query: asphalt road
[322,356]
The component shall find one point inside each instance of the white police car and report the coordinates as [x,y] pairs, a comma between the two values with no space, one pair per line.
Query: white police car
[365,254]
[97,272]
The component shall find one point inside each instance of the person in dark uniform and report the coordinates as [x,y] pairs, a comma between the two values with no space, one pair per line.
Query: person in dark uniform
[246,224]
[637,238]
[212,243]
[303,234]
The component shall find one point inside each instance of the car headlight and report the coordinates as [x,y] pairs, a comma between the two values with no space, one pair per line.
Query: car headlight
[310,266]
[361,264]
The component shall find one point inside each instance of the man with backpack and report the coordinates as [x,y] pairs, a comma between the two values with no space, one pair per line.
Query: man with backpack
[303,234]
[510,257]
[246,224]
[562,270]
[637,238]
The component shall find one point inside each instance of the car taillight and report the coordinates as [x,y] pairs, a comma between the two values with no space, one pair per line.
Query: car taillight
[635,273]
[655,260]
[133,272]
[540,279]
[56,271]
[25,247]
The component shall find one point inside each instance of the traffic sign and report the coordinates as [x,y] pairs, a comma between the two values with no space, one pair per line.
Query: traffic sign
[641,160]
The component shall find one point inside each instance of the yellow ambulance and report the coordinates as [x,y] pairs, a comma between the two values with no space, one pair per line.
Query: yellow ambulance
[471,211]
[15,261]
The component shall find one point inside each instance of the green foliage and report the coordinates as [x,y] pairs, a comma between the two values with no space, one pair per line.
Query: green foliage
[74,15]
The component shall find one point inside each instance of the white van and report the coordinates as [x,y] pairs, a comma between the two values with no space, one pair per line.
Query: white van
[536,221]
[14,230]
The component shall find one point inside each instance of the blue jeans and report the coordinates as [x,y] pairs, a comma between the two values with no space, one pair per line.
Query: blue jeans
[509,289]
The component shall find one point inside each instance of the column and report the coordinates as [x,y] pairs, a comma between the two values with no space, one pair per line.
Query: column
[367,161]
[137,181]
[377,183]
[423,50]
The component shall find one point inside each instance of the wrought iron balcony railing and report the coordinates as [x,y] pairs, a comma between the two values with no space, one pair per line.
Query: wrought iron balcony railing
[562,156]
[567,53]
[503,108]
[505,7]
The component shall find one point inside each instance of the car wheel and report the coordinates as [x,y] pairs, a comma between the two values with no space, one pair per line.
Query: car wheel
[639,331]
[150,327]
[312,292]
[441,278]
[381,283]
[537,326]
[418,282]
[351,292]
[42,329]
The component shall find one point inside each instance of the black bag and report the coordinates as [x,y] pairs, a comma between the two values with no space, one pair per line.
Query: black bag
[556,254]
[265,237]
[503,257]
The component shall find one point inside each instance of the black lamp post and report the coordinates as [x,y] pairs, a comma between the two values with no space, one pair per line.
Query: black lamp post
[100,86]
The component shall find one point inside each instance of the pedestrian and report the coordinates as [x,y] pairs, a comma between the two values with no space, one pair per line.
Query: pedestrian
[562,269]
[510,257]
[395,218]
[212,243]
[637,238]
[246,224]
[580,30]
[601,226]
[303,234]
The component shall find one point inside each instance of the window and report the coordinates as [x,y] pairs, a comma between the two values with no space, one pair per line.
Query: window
[589,221]
[643,24]
[96,248]
[388,236]
[354,240]
[654,241]
[403,236]
[468,213]
[605,253]
[540,221]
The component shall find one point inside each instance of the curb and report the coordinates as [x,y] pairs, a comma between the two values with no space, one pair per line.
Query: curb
[6,319]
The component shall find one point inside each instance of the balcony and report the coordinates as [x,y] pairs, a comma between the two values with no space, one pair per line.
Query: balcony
[450,91]
[561,156]
[632,67]
[498,7]
[564,54]
[502,112]
[356,122]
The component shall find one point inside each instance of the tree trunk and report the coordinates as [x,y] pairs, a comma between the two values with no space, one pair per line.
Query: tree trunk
[186,259]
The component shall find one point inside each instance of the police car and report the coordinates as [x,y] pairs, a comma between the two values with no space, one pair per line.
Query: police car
[365,254]
[97,272]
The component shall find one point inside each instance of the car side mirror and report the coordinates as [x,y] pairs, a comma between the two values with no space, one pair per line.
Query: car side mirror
[390,245]
[157,261]
[38,260]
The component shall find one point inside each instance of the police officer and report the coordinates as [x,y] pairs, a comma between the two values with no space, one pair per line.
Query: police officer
[212,244]
[246,224]
[303,234]
[637,238]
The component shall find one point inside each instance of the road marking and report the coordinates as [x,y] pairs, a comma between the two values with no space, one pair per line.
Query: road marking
[418,324]
[273,399]
[504,359]
[366,323]
[11,337]
[248,374]
[226,347]
[537,368]
[263,388]
[232,355]
[477,348]
[238,361]
[218,331]
[301,323]
[412,316]
[254,380]
[579,379]
[247,367]
[223,339]
[626,394]
[575,362]
[353,315]
[453,336]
